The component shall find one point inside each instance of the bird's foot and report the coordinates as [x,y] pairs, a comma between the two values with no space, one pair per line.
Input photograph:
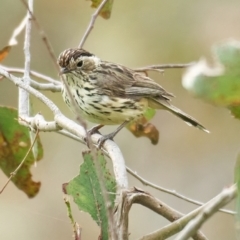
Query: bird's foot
[110,136]
[91,131]
[104,138]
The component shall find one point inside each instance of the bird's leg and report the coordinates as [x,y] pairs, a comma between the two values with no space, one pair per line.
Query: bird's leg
[111,135]
[91,131]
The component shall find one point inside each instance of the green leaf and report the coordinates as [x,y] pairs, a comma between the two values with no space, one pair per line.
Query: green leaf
[150,113]
[106,10]
[237,181]
[87,192]
[14,144]
[219,85]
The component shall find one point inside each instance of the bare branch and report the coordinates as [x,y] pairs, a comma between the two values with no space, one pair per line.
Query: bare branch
[129,197]
[172,192]
[32,73]
[43,35]
[23,103]
[27,42]
[17,31]
[20,165]
[70,135]
[179,224]
[91,24]
[38,123]
[209,209]
[46,86]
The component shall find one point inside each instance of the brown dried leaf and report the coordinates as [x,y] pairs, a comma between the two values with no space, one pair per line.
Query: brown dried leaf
[106,10]
[4,52]
[142,128]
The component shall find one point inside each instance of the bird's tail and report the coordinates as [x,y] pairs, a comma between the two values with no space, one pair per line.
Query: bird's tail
[163,104]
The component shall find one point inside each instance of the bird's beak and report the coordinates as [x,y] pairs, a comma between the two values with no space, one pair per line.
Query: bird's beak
[64,71]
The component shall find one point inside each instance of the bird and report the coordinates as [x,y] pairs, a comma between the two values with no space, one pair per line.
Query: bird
[107,93]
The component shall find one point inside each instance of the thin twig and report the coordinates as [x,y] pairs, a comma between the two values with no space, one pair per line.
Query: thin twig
[172,192]
[20,165]
[17,31]
[32,73]
[75,225]
[43,35]
[91,24]
[163,66]
[46,86]
[209,209]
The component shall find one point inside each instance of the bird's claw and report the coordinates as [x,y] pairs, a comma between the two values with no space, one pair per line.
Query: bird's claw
[104,138]
[90,132]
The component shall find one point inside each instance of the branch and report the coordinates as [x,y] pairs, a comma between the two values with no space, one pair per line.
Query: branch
[179,224]
[32,73]
[172,192]
[23,103]
[43,35]
[129,197]
[91,24]
[60,121]
[46,86]
[209,209]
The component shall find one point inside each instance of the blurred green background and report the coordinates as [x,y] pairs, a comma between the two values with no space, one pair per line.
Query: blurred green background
[138,33]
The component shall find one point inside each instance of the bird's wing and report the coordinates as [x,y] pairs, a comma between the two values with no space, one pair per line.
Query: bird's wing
[119,81]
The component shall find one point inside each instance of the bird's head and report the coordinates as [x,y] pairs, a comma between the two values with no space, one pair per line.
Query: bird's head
[77,60]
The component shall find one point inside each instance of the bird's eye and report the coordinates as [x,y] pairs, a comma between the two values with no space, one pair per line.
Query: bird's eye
[80,64]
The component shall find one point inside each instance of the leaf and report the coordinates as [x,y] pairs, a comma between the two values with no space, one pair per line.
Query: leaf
[87,193]
[142,128]
[14,144]
[4,52]
[106,10]
[219,85]
[237,181]
[149,114]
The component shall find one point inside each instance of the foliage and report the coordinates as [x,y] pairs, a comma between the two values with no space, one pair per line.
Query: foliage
[14,144]
[87,191]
